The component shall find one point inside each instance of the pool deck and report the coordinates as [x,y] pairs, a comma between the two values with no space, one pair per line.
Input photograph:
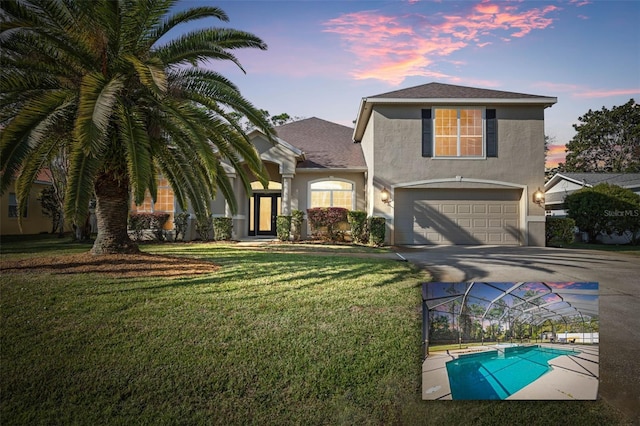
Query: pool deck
[572,377]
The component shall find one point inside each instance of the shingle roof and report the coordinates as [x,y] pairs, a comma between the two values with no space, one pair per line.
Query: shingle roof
[450,91]
[326,145]
[625,180]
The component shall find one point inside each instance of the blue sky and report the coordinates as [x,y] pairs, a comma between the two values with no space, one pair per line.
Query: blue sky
[324,56]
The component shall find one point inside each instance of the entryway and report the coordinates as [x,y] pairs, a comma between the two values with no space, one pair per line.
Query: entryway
[264,209]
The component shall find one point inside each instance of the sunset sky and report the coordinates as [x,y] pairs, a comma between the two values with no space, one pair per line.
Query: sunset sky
[324,56]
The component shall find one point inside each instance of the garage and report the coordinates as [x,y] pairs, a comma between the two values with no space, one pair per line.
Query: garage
[457,216]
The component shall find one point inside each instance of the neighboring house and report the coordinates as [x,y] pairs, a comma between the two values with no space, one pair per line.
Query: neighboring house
[565,183]
[34,222]
[460,165]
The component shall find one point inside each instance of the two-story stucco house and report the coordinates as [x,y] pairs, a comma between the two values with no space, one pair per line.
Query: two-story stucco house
[457,165]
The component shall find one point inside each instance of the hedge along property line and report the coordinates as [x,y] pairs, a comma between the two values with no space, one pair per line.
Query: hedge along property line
[559,231]
[139,222]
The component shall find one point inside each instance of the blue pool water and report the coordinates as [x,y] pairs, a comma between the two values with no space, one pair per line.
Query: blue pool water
[500,373]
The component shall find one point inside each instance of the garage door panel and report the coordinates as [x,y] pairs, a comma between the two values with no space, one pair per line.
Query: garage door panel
[457,217]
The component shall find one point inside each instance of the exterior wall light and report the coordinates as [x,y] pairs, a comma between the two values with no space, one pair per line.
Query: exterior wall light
[538,197]
[385,196]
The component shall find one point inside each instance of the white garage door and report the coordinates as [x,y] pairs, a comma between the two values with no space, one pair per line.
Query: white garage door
[455,216]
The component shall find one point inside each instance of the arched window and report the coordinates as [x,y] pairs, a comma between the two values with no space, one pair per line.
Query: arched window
[332,193]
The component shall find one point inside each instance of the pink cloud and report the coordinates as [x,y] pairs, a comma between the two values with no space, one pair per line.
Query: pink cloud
[606,93]
[582,92]
[579,3]
[555,155]
[393,47]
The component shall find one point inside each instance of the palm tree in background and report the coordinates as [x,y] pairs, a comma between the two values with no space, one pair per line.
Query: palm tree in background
[105,80]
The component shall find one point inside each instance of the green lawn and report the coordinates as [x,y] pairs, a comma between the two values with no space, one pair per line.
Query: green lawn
[626,249]
[273,337]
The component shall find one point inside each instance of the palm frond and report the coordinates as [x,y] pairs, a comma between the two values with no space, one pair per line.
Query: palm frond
[135,139]
[183,17]
[96,106]
[27,129]
[82,174]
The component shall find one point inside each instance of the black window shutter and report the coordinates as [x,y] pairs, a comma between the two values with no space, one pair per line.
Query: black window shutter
[427,133]
[491,123]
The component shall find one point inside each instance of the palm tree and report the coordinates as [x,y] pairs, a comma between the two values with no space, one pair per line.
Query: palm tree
[107,80]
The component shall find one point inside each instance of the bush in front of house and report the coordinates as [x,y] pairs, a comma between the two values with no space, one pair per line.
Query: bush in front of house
[559,231]
[204,226]
[377,228]
[180,224]
[329,217]
[358,221]
[139,222]
[297,219]
[283,227]
[222,227]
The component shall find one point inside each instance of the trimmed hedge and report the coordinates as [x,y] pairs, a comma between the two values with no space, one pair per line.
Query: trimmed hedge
[283,227]
[559,231]
[328,217]
[180,224]
[358,221]
[377,228]
[139,222]
[297,219]
[222,227]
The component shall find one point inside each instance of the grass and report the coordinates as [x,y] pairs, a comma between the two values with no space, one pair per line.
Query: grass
[271,338]
[626,249]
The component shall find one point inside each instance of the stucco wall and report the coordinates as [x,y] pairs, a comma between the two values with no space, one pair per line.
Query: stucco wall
[396,157]
[35,222]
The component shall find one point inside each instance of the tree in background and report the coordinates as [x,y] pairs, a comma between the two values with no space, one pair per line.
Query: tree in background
[131,103]
[607,209]
[606,141]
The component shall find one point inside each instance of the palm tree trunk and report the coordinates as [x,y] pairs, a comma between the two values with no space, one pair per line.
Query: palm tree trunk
[112,208]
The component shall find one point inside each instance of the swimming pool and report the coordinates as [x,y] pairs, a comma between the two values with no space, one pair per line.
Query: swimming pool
[497,374]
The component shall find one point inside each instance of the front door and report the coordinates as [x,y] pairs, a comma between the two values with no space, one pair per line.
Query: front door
[264,209]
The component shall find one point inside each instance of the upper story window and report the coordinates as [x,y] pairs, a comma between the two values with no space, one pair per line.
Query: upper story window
[458,132]
[13,206]
[331,193]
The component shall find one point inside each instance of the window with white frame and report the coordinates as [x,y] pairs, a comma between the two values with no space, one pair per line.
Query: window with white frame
[331,193]
[458,132]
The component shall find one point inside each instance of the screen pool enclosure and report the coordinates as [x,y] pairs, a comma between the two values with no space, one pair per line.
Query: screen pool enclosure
[466,313]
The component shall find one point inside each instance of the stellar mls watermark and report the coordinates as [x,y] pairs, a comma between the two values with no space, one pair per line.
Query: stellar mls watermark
[620,213]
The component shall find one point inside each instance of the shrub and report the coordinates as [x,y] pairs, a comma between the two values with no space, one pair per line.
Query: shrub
[559,231]
[377,228]
[297,219]
[222,227]
[358,222]
[327,216]
[606,208]
[204,226]
[283,227]
[180,224]
[139,222]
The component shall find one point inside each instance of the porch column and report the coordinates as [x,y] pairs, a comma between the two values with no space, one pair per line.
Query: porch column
[286,194]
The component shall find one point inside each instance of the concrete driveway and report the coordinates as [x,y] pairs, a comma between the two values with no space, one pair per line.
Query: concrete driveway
[619,278]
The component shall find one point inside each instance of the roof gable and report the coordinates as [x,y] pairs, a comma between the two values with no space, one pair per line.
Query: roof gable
[326,145]
[444,94]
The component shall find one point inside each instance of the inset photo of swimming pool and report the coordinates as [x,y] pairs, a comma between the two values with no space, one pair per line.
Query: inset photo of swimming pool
[510,341]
